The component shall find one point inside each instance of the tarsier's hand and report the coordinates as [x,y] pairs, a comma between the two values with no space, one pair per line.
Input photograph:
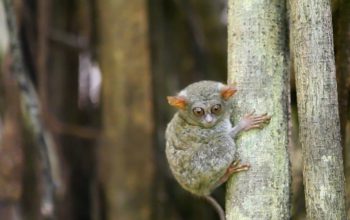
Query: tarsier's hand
[251,121]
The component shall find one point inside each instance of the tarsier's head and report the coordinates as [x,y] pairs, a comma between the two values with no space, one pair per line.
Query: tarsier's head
[203,103]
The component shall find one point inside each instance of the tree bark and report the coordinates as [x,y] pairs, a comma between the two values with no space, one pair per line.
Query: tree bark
[312,47]
[257,64]
[125,153]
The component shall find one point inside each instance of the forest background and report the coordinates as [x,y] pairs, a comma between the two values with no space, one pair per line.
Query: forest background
[83,108]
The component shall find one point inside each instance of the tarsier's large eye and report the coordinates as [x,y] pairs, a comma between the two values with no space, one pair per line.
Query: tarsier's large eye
[197,111]
[216,109]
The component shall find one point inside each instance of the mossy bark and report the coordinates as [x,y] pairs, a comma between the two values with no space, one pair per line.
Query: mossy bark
[125,153]
[257,64]
[312,47]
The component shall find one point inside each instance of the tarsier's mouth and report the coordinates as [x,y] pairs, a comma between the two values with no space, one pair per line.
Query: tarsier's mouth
[208,125]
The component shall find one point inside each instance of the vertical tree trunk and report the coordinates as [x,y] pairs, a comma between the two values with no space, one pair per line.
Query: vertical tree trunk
[11,155]
[312,45]
[257,64]
[125,154]
[70,19]
[11,145]
[43,139]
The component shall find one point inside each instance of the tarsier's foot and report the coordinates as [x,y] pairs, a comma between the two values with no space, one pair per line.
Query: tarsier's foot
[251,121]
[235,167]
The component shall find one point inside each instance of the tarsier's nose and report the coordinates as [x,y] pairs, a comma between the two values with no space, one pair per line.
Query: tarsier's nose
[208,118]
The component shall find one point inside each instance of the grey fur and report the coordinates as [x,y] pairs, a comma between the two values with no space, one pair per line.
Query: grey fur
[200,153]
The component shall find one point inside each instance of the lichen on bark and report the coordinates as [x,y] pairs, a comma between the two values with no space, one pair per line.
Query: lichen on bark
[257,64]
[312,49]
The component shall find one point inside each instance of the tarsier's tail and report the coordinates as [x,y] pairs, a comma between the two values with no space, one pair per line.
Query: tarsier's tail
[216,206]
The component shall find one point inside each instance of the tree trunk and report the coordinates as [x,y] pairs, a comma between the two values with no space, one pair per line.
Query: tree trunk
[125,153]
[49,166]
[70,19]
[312,45]
[257,64]
[11,145]
[11,154]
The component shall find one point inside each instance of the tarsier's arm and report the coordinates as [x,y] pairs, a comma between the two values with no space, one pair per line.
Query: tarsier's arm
[250,121]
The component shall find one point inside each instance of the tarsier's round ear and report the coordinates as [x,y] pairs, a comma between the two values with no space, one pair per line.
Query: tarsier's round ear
[177,102]
[227,92]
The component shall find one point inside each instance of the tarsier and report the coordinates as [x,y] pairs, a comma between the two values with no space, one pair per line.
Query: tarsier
[200,145]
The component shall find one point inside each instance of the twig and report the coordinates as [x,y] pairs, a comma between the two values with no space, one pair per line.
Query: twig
[68,39]
[71,129]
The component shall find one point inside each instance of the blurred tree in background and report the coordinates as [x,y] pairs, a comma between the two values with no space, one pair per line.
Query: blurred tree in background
[83,109]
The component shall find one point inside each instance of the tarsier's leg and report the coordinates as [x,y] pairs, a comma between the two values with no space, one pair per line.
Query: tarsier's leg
[250,121]
[235,167]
